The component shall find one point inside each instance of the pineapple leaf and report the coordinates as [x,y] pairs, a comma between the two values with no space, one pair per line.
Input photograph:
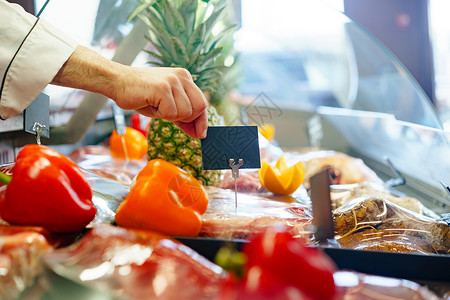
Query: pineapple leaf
[195,61]
[144,19]
[188,10]
[178,23]
[155,63]
[181,54]
[154,15]
[197,38]
[161,33]
[201,10]
[209,56]
[144,5]
[155,55]
[206,88]
[214,39]
[211,21]
[162,51]
[211,78]
[168,15]
[214,71]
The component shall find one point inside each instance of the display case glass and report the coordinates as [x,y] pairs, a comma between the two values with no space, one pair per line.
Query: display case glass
[311,60]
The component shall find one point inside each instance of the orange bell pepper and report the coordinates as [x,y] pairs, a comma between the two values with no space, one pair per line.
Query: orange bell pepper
[165,199]
[134,142]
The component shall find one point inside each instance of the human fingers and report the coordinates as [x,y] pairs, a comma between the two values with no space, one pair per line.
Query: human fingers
[183,104]
[174,103]
[197,128]
[197,100]
[164,102]
[148,111]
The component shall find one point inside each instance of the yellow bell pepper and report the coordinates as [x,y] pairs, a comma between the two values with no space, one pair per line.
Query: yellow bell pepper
[281,179]
[267,130]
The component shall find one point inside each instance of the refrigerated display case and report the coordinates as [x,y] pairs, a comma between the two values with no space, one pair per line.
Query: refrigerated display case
[341,90]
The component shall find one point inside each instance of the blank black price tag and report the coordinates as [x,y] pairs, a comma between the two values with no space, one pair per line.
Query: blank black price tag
[223,143]
[38,112]
[321,205]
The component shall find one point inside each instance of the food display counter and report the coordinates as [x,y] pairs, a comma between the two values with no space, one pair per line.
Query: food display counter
[378,135]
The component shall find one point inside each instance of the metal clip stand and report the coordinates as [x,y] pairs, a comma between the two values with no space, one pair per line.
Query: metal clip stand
[39,129]
[235,174]
[120,125]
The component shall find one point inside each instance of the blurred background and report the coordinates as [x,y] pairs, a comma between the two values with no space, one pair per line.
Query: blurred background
[416,31]
[388,56]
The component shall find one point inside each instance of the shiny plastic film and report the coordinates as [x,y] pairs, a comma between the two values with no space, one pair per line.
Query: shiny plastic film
[255,214]
[98,160]
[133,264]
[375,223]
[20,258]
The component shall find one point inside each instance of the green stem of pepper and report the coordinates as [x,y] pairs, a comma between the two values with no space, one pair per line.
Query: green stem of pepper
[231,259]
[5,179]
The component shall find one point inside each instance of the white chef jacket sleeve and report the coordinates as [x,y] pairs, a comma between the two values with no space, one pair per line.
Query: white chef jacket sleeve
[31,54]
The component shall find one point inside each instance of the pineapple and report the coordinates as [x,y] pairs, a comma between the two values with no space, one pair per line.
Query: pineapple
[180,31]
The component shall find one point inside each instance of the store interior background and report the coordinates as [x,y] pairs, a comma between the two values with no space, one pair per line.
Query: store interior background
[416,31]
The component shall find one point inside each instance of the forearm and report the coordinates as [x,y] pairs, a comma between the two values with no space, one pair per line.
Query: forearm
[167,93]
[87,70]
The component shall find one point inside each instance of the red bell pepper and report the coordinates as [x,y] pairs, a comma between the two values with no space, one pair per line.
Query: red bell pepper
[165,199]
[140,123]
[280,266]
[47,189]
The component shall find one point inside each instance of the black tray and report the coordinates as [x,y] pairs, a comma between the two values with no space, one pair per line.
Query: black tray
[411,266]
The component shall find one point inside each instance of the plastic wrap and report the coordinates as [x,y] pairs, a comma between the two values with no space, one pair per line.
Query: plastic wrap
[131,264]
[341,195]
[20,251]
[107,195]
[128,264]
[356,286]
[98,159]
[374,223]
[254,214]
[346,169]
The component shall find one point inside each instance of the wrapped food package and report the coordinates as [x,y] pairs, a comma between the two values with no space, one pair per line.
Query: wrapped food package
[20,252]
[346,169]
[255,213]
[375,223]
[355,286]
[133,264]
[344,194]
[119,263]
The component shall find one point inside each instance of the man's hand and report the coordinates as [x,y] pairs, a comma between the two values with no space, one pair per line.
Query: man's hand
[167,93]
